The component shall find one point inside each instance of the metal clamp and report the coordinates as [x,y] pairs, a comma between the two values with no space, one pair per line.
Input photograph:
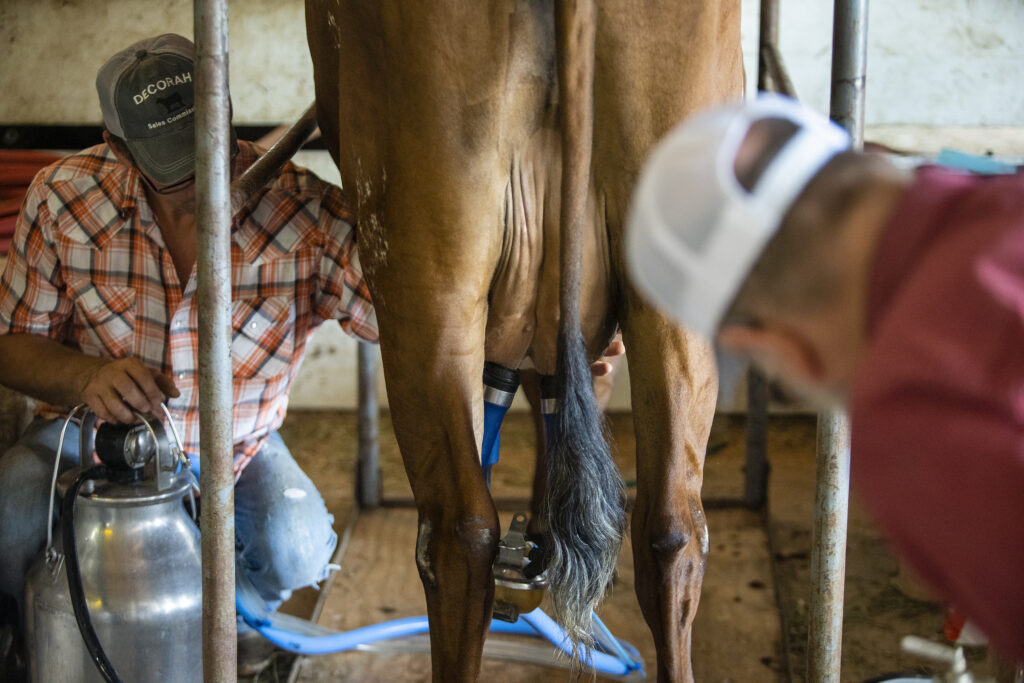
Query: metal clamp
[54,558]
[937,653]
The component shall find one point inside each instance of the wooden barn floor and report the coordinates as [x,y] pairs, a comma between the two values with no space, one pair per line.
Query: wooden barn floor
[751,624]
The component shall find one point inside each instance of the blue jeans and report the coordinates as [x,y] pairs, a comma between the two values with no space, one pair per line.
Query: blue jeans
[284,538]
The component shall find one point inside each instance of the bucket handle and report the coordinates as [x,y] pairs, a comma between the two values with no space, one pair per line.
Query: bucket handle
[86,445]
[54,559]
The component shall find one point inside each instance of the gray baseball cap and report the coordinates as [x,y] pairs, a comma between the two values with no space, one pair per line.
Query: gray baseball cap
[147,98]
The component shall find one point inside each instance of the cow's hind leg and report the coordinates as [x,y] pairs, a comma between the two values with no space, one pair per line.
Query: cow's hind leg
[458,525]
[431,303]
[673,396]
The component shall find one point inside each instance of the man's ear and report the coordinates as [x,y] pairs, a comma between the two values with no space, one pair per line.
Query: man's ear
[779,351]
[119,149]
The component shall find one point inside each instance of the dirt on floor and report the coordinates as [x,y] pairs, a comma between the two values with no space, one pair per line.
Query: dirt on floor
[757,558]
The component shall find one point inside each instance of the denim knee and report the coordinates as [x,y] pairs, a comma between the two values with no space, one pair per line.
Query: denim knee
[284,533]
[292,549]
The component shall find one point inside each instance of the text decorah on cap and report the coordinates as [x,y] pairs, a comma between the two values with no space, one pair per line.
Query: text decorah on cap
[147,98]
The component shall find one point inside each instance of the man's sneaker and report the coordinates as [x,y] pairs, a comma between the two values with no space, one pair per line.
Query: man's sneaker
[254,653]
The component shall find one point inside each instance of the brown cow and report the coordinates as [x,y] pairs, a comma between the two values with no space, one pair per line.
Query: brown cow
[463,132]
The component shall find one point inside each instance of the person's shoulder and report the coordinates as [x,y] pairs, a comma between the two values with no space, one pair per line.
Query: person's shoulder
[87,164]
[955,324]
[970,195]
[74,175]
[298,202]
[301,183]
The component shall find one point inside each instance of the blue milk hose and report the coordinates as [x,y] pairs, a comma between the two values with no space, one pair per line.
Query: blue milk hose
[303,637]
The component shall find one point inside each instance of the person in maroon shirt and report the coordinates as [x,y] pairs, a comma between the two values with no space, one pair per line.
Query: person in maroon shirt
[898,295]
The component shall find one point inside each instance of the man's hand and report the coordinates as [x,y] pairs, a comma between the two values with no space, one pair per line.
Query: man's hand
[116,387]
[602,366]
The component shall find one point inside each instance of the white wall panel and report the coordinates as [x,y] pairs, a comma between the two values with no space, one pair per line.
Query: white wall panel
[930,62]
[52,50]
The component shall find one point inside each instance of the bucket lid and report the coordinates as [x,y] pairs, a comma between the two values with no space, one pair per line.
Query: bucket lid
[135,493]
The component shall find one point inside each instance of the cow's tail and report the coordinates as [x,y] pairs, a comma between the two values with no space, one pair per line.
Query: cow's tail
[583,500]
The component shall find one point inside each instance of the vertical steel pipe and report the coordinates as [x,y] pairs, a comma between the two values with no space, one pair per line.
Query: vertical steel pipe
[213,298]
[755,485]
[849,66]
[828,552]
[768,37]
[368,461]
[755,473]
[771,72]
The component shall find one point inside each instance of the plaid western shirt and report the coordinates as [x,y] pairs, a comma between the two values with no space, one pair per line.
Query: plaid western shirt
[88,268]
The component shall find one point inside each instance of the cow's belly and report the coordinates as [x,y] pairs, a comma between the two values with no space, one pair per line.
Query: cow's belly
[523,314]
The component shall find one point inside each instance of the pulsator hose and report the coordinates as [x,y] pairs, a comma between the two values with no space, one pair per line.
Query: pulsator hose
[78,604]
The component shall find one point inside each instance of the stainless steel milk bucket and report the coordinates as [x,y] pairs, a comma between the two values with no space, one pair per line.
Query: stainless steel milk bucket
[140,563]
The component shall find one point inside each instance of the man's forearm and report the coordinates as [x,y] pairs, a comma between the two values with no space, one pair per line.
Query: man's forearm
[45,369]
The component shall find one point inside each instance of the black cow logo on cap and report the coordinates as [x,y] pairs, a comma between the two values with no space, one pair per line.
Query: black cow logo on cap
[172,103]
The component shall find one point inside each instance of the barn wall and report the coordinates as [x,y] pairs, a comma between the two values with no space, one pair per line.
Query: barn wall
[938,70]
[53,49]
[931,62]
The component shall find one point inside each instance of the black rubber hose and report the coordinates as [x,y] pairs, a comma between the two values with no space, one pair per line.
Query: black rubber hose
[92,641]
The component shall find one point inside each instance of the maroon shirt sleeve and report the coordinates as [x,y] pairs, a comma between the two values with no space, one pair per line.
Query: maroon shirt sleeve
[938,410]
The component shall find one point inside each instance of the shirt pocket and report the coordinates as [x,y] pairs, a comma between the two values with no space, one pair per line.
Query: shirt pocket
[263,338]
[107,318]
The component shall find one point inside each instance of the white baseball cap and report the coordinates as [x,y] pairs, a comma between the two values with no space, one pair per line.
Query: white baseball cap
[694,232]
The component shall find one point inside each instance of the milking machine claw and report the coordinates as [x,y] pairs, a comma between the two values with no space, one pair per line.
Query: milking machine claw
[516,590]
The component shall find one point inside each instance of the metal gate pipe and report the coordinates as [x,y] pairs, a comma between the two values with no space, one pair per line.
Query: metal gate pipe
[771,72]
[368,461]
[755,482]
[756,469]
[849,66]
[767,37]
[828,550]
[213,299]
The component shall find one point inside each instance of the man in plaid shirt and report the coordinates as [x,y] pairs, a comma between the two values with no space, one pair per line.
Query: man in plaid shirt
[98,306]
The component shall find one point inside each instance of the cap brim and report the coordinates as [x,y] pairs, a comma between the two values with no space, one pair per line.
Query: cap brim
[660,280]
[167,158]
